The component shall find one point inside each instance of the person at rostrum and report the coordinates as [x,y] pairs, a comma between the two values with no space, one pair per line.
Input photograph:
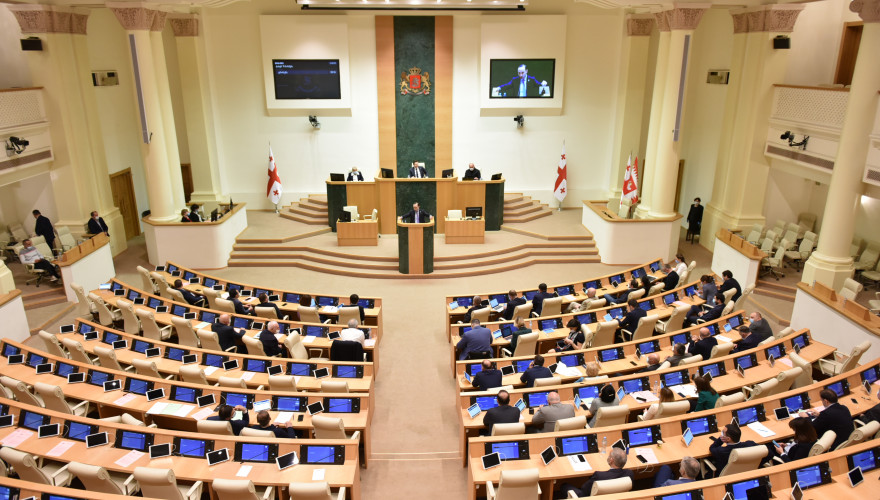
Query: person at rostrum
[501,414]
[264,423]
[353,332]
[477,339]
[512,303]
[264,302]
[488,377]
[417,171]
[689,469]
[607,397]
[354,175]
[835,417]
[721,447]
[702,343]
[538,299]
[227,336]
[697,312]
[547,415]
[43,227]
[97,225]
[574,340]
[616,463]
[225,413]
[471,174]
[190,298]
[536,370]
[30,255]
[267,338]
[417,215]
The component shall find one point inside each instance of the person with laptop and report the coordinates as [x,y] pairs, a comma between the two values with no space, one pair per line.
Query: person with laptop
[352,332]
[702,343]
[574,340]
[477,340]
[501,414]
[536,370]
[488,377]
[512,303]
[607,397]
[270,342]
[190,298]
[749,340]
[548,414]
[476,304]
[417,215]
[264,302]
[835,417]
[722,447]
[471,174]
[689,469]
[354,175]
[264,423]
[227,413]
[616,463]
[621,297]
[538,299]
[227,336]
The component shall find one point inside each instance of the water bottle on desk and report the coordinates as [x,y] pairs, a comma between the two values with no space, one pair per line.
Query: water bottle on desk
[604,443]
[656,387]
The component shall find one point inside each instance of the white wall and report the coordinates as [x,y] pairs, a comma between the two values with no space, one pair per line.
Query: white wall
[815,42]
[176,92]
[18,199]
[14,70]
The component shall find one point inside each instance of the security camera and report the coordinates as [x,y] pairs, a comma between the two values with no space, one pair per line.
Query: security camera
[16,145]
[788,136]
[520,121]
[313,120]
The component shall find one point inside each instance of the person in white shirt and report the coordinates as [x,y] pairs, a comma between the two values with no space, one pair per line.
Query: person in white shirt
[30,255]
[680,265]
[352,332]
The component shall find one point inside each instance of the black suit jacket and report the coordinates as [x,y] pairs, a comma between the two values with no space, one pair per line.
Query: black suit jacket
[44,228]
[226,335]
[237,425]
[703,347]
[500,415]
[631,320]
[538,301]
[750,342]
[761,328]
[188,296]
[695,219]
[411,216]
[422,171]
[731,283]
[721,452]
[472,174]
[671,280]
[280,432]
[278,312]
[650,368]
[604,475]
[835,418]
[239,307]
[487,379]
[270,343]
[511,306]
[534,373]
[354,176]
[713,313]
[195,217]
[467,315]
[98,226]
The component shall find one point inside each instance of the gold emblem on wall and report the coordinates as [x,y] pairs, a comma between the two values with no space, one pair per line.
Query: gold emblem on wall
[415,82]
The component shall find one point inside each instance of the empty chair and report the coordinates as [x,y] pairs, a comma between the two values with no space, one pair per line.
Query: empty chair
[543,382]
[211,296]
[192,374]
[161,483]
[773,265]
[295,347]
[208,340]
[801,254]
[84,307]
[645,329]
[347,313]
[220,427]
[551,306]
[874,305]
[77,351]
[730,399]
[107,359]
[309,315]
[868,259]
[850,289]
[605,333]
[147,368]
[570,424]
[754,236]
[186,335]
[334,386]
[161,284]
[147,282]
[267,312]
[515,484]
[611,415]
[608,486]
[823,444]
[240,489]
[106,316]
[224,305]
[254,346]
[522,311]
[232,382]
[788,239]
[525,346]
[844,363]
[786,379]
[53,399]
[861,434]
[760,390]
[675,321]
[51,344]
[805,378]
[282,383]
[51,473]
[263,433]
[130,322]
[126,419]
[481,314]
[96,478]
[588,335]
[315,491]
[741,460]
[722,349]
[151,329]
[331,428]
[20,391]
[742,298]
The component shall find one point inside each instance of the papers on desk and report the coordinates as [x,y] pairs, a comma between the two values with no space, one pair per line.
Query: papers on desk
[685,390]
[278,336]
[203,413]
[283,417]
[203,324]
[129,458]
[244,470]
[567,371]
[330,309]
[173,409]
[247,376]
[210,369]
[647,454]
[722,338]
[124,399]
[453,305]
[318,474]
[549,331]
[308,339]
[369,343]
[60,448]
[681,303]
[16,437]
[577,465]
[761,429]
[785,361]
[648,396]
[224,295]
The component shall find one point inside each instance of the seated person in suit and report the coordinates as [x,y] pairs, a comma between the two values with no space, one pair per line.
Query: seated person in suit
[264,302]
[697,312]
[536,370]
[631,319]
[758,325]
[267,337]
[354,300]
[240,308]
[353,332]
[607,397]
[574,340]
[702,343]
[538,300]
[547,415]
[804,439]
[477,339]
[730,283]
[610,298]
[520,324]
[749,340]
[354,175]
[671,279]
[417,171]
[501,414]
[194,214]
[678,354]
[723,446]
[471,173]
[476,305]
[226,335]
[30,255]
[97,224]
[708,288]
[488,377]
[417,215]
[707,396]
[689,469]
[653,363]
[226,413]
[184,215]
[835,417]
[264,423]
[512,302]
[190,298]
[616,463]
[582,306]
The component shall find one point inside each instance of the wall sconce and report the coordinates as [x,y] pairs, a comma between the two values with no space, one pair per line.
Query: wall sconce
[313,121]
[790,137]
[16,145]
[520,121]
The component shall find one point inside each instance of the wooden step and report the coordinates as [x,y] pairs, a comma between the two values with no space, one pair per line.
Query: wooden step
[521,203]
[318,199]
[305,220]
[516,212]
[44,298]
[773,293]
[310,207]
[307,212]
[544,212]
[776,287]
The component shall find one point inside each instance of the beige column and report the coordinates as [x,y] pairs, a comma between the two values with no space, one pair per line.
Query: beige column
[137,22]
[197,107]
[683,20]
[742,169]
[830,264]
[79,171]
[630,98]
[650,158]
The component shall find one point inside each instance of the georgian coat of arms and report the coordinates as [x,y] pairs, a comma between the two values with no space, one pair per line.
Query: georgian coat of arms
[415,82]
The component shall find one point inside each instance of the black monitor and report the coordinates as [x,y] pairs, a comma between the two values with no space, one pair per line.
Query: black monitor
[215,215]
[473,212]
[386,173]
[337,177]
[446,173]
[345,216]
[496,177]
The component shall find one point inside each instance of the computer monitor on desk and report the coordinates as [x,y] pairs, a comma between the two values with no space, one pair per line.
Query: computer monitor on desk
[337,177]
[447,173]
[387,173]
[473,212]
[345,216]
[496,177]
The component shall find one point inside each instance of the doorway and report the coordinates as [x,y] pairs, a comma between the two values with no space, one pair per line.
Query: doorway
[849,50]
[122,188]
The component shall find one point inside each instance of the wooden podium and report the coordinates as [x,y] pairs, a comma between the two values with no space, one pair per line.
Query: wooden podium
[415,245]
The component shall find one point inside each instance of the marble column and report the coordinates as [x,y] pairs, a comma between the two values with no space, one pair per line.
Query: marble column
[831,264]
[197,107]
[79,172]
[742,169]
[631,98]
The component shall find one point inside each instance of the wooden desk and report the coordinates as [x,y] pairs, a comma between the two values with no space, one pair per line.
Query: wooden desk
[465,231]
[360,233]
[415,245]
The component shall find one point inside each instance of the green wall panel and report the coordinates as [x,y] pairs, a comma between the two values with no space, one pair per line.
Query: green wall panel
[428,249]
[494,206]
[336,199]
[414,47]
[403,249]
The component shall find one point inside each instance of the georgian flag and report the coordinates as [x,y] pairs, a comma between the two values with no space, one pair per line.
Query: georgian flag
[273,189]
[631,181]
[561,187]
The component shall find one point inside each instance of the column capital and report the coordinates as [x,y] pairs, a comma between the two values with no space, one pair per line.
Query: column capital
[868,10]
[740,22]
[184,24]
[777,18]
[35,18]
[138,17]
[662,22]
[685,17]
[639,24]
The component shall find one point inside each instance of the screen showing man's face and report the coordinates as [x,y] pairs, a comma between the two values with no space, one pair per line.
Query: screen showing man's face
[522,72]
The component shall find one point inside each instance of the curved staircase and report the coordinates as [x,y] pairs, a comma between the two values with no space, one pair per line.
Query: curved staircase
[311,210]
[519,208]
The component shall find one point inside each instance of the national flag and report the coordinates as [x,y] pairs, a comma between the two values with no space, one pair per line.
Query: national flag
[631,181]
[561,187]
[273,189]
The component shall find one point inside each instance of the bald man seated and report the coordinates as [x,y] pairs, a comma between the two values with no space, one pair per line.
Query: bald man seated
[226,335]
[653,363]
[547,415]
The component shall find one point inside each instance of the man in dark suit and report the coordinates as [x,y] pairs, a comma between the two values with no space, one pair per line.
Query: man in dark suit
[354,300]
[240,308]
[477,339]
[622,296]
[536,370]
[538,299]
[835,417]
[417,171]
[678,354]
[501,414]
[44,228]
[730,283]
[354,175]
[226,412]
[759,326]
[488,377]
[723,446]
[417,215]
[194,214]
[653,363]
[264,423]
[97,225]
[749,340]
[631,320]
[702,343]
[190,298]
[671,279]
[476,304]
[267,337]
[264,302]
[523,85]
[512,302]
[698,312]
[471,174]
[616,463]
[695,219]
[226,335]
